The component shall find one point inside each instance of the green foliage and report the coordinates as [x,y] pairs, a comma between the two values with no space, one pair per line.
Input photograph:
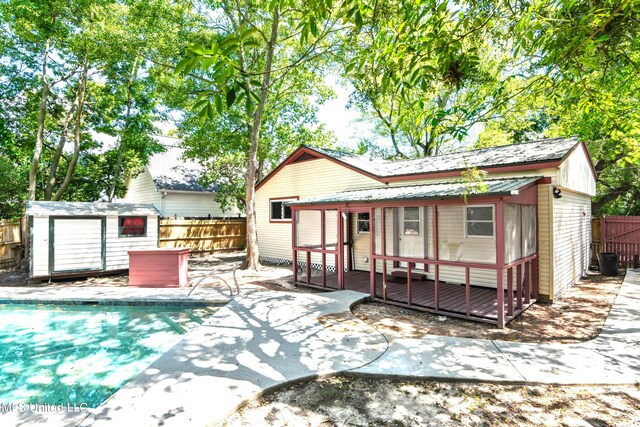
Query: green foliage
[473,181]
[241,102]
[13,189]
[127,44]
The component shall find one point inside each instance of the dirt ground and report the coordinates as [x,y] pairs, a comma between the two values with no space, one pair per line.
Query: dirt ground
[577,316]
[357,401]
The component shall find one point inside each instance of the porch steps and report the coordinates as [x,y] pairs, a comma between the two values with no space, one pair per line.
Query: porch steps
[414,276]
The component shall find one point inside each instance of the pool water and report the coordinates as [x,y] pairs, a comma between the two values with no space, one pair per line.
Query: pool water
[68,354]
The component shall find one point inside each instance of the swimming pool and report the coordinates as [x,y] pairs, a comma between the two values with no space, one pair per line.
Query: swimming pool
[81,354]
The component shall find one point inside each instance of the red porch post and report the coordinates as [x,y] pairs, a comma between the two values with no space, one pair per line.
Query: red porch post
[527,282]
[500,262]
[340,265]
[383,248]
[294,258]
[467,291]
[324,247]
[535,278]
[519,286]
[372,269]
[436,257]
[409,283]
[510,291]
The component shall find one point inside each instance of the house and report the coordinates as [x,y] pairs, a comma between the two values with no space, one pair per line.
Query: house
[172,184]
[70,238]
[411,233]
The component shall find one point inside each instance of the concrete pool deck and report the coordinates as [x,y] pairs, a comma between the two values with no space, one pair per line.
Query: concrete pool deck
[263,339]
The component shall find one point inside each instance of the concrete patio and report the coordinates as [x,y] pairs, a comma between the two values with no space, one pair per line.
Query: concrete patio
[263,339]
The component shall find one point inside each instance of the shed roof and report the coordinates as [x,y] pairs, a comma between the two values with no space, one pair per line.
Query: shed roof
[171,171]
[90,209]
[445,190]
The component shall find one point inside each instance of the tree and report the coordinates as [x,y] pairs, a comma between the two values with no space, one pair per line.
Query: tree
[562,67]
[419,86]
[260,50]
[74,70]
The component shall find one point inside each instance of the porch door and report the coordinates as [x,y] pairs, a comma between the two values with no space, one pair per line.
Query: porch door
[411,238]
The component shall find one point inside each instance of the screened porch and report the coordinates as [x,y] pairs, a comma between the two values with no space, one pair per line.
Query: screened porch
[425,247]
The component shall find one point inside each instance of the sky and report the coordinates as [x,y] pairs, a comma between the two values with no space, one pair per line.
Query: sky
[345,123]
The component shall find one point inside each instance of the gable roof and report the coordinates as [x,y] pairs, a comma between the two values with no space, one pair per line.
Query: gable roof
[439,191]
[515,157]
[170,171]
[41,208]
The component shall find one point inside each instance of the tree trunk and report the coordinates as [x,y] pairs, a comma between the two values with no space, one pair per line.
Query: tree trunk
[123,134]
[253,253]
[37,152]
[55,162]
[77,134]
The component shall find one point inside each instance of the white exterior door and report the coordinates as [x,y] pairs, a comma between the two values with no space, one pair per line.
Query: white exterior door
[411,233]
[77,244]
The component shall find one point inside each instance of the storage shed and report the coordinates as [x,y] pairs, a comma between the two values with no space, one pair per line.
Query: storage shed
[72,238]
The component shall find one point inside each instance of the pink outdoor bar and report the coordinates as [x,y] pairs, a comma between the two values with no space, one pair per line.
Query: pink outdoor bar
[159,268]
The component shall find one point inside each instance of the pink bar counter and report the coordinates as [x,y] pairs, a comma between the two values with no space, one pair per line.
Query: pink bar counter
[159,268]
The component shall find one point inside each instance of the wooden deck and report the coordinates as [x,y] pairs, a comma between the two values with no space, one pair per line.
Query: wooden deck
[452,298]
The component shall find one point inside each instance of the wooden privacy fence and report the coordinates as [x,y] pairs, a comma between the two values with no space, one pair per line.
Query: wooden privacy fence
[618,234]
[204,235]
[10,243]
[595,240]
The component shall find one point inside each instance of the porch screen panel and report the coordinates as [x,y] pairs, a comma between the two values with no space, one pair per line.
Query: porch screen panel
[529,229]
[391,230]
[452,243]
[331,229]
[512,242]
[309,229]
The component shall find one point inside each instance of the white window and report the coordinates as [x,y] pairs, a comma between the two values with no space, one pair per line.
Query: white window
[278,211]
[411,221]
[479,221]
[363,222]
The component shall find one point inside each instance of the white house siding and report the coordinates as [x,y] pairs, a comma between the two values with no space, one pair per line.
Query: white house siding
[40,246]
[117,247]
[305,179]
[193,204]
[453,246]
[572,238]
[575,173]
[142,189]
[545,239]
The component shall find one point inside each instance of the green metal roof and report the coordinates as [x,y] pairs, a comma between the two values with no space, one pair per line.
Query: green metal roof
[444,190]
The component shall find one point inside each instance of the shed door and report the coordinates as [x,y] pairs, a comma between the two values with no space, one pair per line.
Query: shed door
[77,244]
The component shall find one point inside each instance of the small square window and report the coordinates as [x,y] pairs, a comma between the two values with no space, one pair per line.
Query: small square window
[363,222]
[132,226]
[479,221]
[279,211]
